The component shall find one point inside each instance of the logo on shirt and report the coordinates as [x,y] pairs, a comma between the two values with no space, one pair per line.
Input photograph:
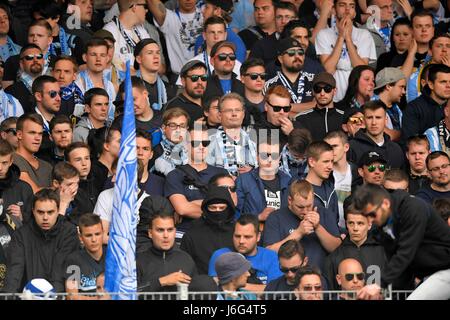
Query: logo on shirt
[192,187]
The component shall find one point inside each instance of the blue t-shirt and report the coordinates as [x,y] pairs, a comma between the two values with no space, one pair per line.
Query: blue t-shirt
[264,262]
[226,85]
[429,194]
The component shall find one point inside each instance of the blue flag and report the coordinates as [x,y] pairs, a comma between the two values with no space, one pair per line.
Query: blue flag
[120,273]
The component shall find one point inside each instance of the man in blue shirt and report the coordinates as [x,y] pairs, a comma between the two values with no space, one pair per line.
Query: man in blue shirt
[264,262]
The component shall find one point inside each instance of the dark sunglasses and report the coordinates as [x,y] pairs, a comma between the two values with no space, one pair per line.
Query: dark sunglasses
[286,270]
[196,143]
[11,130]
[285,109]
[266,155]
[224,56]
[373,167]
[372,213]
[254,76]
[232,189]
[293,52]
[30,57]
[310,288]
[351,276]
[53,94]
[318,89]
[195,78]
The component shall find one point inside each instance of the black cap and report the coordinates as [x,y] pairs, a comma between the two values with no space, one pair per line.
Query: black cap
[286,44]
[370,157]
[190,65]
[138,48]
[225,5]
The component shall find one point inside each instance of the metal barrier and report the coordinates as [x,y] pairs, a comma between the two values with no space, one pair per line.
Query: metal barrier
[184,294]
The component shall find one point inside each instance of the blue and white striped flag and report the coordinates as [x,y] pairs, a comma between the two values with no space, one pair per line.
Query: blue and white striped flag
[120,273]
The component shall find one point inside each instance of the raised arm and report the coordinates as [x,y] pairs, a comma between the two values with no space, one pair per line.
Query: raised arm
[158,10]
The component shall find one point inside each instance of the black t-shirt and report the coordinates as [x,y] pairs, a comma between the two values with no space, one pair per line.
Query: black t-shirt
[272,192]
[152,89]
[99,173]
[82,264]
[279,284]
[150,125]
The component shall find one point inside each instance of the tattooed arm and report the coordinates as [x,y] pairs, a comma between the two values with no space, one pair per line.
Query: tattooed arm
[158,10]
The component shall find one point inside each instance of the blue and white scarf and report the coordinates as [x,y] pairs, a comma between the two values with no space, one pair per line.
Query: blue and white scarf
[162,93]
[9,49]
[296,96]
[26,79]
[64,42]
[70,91]
[173,156]
[287,161]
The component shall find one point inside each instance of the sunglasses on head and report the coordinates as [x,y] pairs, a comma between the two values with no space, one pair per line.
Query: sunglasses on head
[351,276]
[30,57]
[318,89]
[285,109]
[255,76]
[373,167]
[224,56]
[286,270]
[195,78]
[293,52]
[310,288]
[266,155]
[196,143]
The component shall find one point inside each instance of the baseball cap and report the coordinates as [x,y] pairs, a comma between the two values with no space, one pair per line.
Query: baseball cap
[138,48]
[370,157]
[324,77]
[286,44]
[190,65]
[388,75]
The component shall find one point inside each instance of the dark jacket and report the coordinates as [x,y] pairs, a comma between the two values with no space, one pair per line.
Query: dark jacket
[250,191]
[212,231]
[34,253]
[14,191]
[320,121]
[213,87]
[422,239]
[390,150]
[420,114]
[261,122]
[370,253]
[19,91]
[194,110]
[155,263]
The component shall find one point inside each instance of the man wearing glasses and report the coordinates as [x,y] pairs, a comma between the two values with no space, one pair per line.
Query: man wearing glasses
[351,277]
[324,117]
[438,164]
[415,235]
[223,80]
[193,78]
[308,284]
[371,169]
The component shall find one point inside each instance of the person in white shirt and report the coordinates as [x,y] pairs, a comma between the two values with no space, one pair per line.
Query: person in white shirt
[343,46]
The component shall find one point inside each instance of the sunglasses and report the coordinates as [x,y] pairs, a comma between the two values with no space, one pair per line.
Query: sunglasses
[285,109]
[351,276]
[195,78]
[286,270]
[373,167]
[318,89]
[231,188]
[310,288]
[196,143]
[224,56]
[53,94]
[266,155]
[293,52]
[372,213]
[356,120]
[254,76]
[30,57]
[11,130]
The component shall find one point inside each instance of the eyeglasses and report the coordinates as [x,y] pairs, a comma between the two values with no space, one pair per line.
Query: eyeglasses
[224,56]
[286,270]
[356,120]
[373,167]
[231,188]
[293,52]
[372,213]
[437,169]
[285,109]
[310,288]
[266,155]
[254,76]
[30,57]
[351,276]
[53,94]
[195,77]
[173,125]
[11,130]
[318,89]
[196,143]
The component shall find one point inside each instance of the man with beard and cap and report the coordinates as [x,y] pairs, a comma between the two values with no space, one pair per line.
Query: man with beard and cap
[214,229]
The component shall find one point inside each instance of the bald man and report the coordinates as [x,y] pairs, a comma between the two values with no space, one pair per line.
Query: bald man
[350,277]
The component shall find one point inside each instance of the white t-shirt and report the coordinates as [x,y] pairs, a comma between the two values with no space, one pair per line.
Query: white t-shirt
[363,41]
[201,57]
[343,187]
[181,30]
[122,51]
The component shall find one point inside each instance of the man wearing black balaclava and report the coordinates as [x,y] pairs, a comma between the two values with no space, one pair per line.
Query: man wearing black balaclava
[214,230]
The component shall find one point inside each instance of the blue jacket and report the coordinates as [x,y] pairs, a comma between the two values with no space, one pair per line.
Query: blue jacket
[250,191]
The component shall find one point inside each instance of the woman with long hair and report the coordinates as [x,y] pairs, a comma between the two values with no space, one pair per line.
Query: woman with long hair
[360,87]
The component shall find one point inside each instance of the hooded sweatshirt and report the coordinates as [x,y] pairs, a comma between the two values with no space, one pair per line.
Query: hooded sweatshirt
[214,230]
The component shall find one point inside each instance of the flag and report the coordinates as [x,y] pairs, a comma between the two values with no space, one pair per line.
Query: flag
[120,269]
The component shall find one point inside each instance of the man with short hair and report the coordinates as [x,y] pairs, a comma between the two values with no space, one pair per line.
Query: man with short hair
[39,249]
[324,117]
[308,284]
[416,237]
[417,150]
[264,262]
[8,131]
[350,277]
[373,138]
[438,165]
[193,78]
[46,93]
[96,106]
[344,46]
[163,266]
[395,179]
[36,172]
[82,267]
[253,77]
